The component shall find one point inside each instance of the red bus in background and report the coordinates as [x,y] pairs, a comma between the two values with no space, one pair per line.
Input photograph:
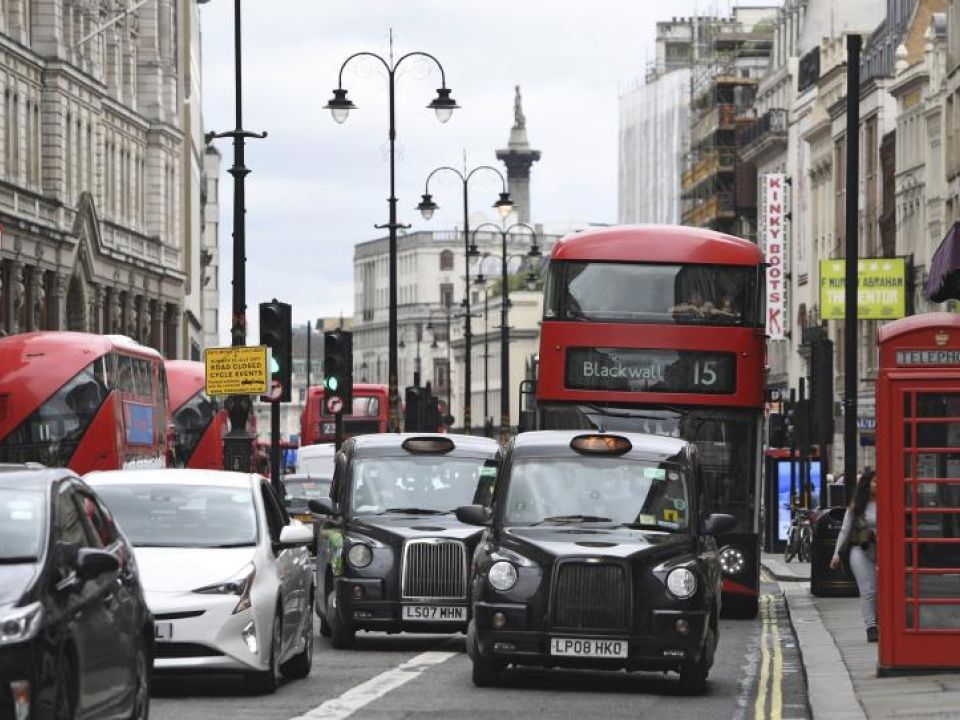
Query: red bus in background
[87,402]
[659,329]
[199,421]
[369,415]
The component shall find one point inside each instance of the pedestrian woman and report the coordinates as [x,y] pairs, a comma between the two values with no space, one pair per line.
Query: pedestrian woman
[858,536]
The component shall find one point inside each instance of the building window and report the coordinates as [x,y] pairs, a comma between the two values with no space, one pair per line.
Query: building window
[446,260]
[441,374]
[446,294]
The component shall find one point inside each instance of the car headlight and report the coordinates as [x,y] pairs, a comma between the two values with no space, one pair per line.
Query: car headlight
[20,624]
[732,560]
[502,575]
[681,583]
[239,584]
[360,555]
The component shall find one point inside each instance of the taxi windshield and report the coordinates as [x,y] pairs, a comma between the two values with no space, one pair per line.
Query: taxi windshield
[428,484]
[617,490]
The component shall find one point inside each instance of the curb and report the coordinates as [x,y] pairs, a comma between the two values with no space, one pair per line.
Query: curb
[830,693]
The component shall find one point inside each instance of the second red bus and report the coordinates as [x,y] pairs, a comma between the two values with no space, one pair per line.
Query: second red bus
[199,421]
[368,415]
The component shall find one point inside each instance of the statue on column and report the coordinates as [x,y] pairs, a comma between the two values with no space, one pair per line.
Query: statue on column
[130,326]
[39,305]
[145,322]
[116,317]
[519,121]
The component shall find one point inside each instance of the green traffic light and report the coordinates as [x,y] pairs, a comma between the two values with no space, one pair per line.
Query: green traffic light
[274,366]
[331,383]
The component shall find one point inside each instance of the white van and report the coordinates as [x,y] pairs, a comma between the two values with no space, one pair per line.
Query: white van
[316,460]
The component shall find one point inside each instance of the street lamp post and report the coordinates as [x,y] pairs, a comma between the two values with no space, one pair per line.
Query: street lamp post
[481,281]
[427,207]
[505,318]
[417,364]
[238,443]
[340,107]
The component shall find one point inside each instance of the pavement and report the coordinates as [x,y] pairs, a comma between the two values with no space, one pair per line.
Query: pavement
[832,639]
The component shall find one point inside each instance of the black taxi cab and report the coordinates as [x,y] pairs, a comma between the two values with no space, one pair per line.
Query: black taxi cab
[392,555]
[596,554]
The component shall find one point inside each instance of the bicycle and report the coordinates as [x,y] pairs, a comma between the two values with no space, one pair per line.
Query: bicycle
[800,536]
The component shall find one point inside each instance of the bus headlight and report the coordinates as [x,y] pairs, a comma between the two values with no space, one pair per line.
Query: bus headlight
[732,560]
[681,583]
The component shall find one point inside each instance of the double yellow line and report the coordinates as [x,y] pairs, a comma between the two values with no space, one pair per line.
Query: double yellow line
[771,665]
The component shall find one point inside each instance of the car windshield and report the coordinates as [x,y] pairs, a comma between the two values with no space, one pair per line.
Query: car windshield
[307,488]
[425,484]
[21,525]
[164,515]
[597,489]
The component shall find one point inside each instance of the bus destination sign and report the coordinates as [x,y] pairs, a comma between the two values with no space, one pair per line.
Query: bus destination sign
[928,357]
[651,370]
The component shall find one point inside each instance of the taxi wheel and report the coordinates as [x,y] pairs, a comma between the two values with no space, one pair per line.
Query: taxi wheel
[693,675]
[342,635]
[486,672]
[325,630]
[267,681]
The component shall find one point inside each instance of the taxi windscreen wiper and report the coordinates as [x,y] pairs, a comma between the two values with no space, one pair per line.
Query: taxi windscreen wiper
[574,518]
[415,511]
[643,526]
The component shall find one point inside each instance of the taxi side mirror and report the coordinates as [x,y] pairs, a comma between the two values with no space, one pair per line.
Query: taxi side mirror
[473,515]
[719,524]
[322,506]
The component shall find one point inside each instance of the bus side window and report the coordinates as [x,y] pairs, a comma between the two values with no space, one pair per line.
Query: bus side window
[125,379]
[144,377]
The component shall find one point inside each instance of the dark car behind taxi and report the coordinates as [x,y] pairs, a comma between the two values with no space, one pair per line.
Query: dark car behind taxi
[392,554]
[596,554]
[76,637]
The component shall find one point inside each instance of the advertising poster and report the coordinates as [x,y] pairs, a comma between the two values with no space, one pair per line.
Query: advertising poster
[881,294]
[139,423]
[783,493]
[773,224]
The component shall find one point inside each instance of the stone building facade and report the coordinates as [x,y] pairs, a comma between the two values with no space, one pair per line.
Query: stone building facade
[99,189]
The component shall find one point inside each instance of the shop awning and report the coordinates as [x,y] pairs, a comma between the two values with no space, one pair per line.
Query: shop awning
[943,283]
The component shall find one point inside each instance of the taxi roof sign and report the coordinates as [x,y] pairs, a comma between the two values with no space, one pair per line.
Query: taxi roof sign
[240,370]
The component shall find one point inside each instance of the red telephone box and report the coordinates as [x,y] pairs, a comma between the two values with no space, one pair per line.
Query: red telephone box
[918,493]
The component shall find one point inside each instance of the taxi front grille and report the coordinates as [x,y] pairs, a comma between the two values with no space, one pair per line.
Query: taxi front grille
[591,596]
[435,569]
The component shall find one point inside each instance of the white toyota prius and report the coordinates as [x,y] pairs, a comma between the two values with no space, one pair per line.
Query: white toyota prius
[227,575]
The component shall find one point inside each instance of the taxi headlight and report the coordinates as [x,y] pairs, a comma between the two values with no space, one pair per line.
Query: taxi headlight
[502,575]
[20,624]
[360,555]
[732,560]
[681,583]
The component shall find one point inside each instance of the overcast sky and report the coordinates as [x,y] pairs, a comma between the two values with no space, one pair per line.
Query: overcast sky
[316,188]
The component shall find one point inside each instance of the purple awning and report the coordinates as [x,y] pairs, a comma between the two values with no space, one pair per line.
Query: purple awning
[943,282]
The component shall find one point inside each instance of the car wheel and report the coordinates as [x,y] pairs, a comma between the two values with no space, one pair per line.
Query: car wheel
[486,672]
[141,692]
[299,666]
[693,675]
[267,682]
[325,630]
[343,636]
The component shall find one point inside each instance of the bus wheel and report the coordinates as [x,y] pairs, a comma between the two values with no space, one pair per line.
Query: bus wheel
[740,607]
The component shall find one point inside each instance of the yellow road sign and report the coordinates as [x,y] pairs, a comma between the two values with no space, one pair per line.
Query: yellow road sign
[237,370]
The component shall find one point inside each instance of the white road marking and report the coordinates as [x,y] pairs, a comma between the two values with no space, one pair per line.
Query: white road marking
[365,693]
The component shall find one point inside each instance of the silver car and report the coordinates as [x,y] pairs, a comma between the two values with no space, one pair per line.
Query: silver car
[227,575]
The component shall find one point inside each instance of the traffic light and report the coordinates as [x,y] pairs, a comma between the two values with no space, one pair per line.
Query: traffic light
[821,388]
[275,333]
[797,423]
[338,370]
[777,431]
[412,410]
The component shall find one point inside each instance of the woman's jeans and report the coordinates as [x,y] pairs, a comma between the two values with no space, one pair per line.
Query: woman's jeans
[863,563]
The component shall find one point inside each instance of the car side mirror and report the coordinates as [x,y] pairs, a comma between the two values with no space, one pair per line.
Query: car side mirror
[719,524]
[473,515]
[295,536]
[322,506]
[94,563]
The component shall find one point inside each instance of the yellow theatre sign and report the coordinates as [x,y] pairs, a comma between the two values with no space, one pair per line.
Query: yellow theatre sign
[238,370]
[881,291]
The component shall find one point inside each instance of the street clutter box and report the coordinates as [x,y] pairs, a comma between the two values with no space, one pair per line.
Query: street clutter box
[238,370]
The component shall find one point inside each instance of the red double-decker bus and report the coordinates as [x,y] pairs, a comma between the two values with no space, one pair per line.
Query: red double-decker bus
[659,329]
[87,402]
[369,415]
[199,421]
